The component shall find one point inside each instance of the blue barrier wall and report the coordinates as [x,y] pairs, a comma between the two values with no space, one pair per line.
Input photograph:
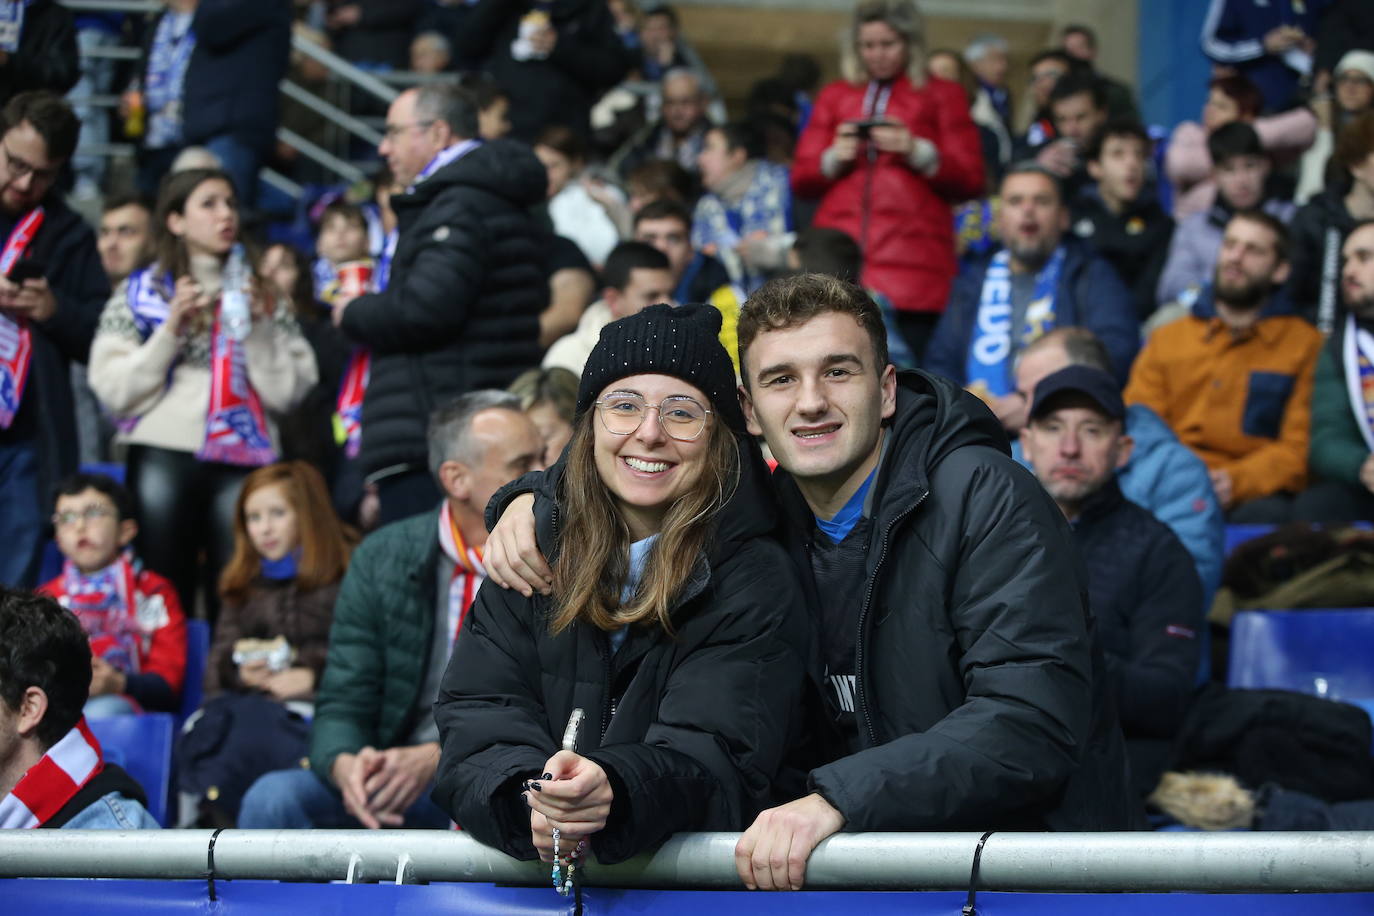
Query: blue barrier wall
[81,897]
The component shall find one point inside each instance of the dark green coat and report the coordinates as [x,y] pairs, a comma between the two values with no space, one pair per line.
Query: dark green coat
[379,643]
[1337,447]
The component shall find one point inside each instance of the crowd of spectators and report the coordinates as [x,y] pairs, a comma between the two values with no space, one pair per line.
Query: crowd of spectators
[1172,326]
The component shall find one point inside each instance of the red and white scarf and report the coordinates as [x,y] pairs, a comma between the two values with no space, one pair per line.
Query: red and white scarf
[235,425]
[52,782]
[106,603]
[468,572]
[16,340]
[349,407]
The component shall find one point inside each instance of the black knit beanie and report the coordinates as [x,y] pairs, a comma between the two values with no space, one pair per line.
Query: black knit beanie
[682,342]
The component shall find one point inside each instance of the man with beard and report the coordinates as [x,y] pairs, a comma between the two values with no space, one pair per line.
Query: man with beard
[1039,281]
[1343,398]
[1233,379]
[1142,587]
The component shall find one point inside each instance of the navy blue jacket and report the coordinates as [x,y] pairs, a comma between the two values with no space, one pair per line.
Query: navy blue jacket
[1233,36]
[1090,294]
[242,47]
[1145,593]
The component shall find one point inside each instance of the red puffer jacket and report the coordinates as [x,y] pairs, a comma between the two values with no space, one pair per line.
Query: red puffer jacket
[908,241]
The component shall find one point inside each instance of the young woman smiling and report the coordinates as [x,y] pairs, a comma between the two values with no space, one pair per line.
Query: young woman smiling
[191,390]
[675,621]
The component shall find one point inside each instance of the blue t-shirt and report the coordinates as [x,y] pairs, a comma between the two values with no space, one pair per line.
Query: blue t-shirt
[639,553]
[838,528]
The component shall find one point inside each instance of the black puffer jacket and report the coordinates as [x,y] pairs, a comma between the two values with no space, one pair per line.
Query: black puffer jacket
[702,719]
[981,691]
[1317,233]
[242,49]
[47,57]
[462,308]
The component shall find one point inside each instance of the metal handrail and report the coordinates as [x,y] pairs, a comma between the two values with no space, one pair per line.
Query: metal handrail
[342,68]
[332,112]
[1240,862]
[345,170]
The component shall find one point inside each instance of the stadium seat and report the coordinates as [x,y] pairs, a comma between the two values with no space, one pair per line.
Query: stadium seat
[1323,652]
[197,654]
[1239,534]
[142,745]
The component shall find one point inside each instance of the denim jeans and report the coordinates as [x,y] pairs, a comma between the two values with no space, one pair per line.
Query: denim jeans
[300,800]
[21,514]
[97,78]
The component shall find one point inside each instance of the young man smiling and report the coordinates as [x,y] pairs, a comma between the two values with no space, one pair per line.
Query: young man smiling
[966,689]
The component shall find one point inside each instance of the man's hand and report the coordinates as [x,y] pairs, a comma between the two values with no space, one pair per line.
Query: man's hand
[1282,38]
[772,854]
[512,556]
[291,684]
[1060,157]
[33,300]
[405,773]
[1367,473]
[350,773]
[577,800]
[255,674]
[1221,482]
[105,678]
[893,138]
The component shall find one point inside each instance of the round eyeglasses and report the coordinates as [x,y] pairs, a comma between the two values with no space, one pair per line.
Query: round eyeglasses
[681,418]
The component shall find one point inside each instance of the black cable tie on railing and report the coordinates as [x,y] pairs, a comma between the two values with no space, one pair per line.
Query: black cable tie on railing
[210,865]
[969,908]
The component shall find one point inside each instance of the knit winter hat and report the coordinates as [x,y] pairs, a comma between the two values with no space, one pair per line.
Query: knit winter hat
[1360,61]
[682,342]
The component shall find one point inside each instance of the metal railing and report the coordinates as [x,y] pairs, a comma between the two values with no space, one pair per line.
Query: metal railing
[1241,862]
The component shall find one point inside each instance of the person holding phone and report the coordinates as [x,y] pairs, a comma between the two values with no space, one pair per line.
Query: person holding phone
[52,288]
[887,151]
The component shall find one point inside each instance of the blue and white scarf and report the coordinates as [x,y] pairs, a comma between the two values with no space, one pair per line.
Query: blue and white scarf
[766,207]
[444,157]
[173,45]
[988,371]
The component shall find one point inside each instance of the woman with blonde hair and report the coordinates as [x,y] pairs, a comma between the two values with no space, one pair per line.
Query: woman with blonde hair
[549,399]
[675,622]
[888,150]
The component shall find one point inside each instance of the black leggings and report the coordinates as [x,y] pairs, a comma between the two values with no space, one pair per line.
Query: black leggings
[185,505]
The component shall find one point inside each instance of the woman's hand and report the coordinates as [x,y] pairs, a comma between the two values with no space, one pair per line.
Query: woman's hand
[576,800]
[187,299]
[541,834]
[291,684]
[261,302]
[893,137]
[844,149]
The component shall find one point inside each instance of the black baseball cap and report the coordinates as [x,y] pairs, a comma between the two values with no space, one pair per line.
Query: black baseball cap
[1097,385]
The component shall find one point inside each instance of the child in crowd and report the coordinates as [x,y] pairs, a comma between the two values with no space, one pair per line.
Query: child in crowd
[342,240]
[278,591]
[1119,214]
[132,615]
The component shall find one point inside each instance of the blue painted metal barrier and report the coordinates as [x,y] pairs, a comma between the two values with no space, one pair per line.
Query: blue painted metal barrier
[80,897]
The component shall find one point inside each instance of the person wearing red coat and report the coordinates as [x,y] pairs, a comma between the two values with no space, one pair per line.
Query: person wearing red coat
[890,185]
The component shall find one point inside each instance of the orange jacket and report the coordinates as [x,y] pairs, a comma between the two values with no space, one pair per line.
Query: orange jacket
[1242,402]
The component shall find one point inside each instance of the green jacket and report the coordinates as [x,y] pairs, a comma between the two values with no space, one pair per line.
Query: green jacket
[1338,448]
[379,643]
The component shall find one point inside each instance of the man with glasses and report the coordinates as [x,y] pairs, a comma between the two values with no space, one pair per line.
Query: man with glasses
[461,308]
[52,289]
[678,135]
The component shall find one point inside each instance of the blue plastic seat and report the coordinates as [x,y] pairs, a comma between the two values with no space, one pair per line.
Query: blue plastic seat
[1239,534]
[1323,652]
[142,745]
[197,654]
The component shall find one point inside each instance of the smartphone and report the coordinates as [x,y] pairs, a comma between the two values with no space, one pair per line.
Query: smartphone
[865,126]
[26,270]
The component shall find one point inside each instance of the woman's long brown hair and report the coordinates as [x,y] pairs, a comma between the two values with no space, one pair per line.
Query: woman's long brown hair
[170,253]
[325,542]
[594,542]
